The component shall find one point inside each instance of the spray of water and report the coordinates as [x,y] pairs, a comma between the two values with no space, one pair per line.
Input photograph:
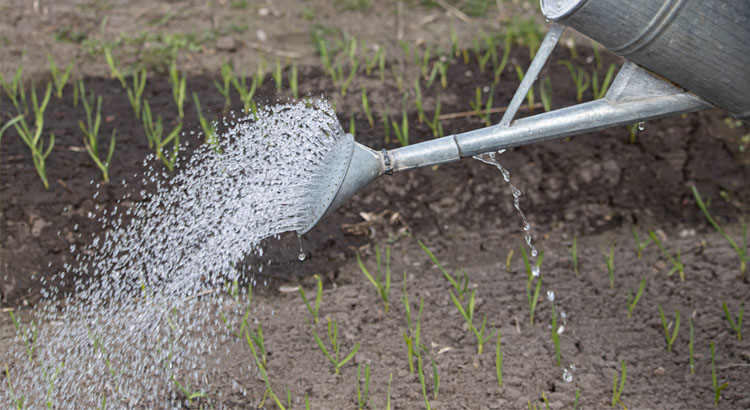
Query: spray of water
[130,329]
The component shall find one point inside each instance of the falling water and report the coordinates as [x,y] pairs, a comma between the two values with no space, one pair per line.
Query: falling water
[131,329]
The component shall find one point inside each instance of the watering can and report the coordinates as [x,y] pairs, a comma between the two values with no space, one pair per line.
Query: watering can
[680,56]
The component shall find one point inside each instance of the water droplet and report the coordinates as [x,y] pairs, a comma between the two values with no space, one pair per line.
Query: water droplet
[567,376]
[301,256]
[550,295]
[641,126]
[535,271]
[534,253]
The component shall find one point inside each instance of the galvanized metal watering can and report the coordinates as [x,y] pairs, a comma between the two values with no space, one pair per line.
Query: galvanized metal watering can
[681,56]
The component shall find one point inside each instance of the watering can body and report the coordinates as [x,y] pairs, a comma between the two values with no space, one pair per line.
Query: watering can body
[681,56]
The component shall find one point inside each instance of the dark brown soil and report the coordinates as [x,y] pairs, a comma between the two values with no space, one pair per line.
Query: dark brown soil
[594,186]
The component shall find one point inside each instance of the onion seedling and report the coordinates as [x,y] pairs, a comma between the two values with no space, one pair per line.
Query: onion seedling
[246,95]
[467,312]
[58,78]
[178,88]
[422,382]
[508,259]
[532,298]
[91,132]
[578,396]
[294,82]
[632,301]
[418,101]
[386,128]
[436,125]
[580,78]
[362,393]
[387,397]
[498,361]
[226,78]
[665,325]
[135,93]
[736,326]
[640,245]
[412,335]
[352,125]
[371,62]
[154,135]
[574,254]
[190,395]
[610,261]
[717,388]
[209,127]
[530,93]
[277,78]
[402,132]
[741,250]
[632,129]
[508,42]
[353,66]
[617,391]
[460,290]
[366,107]
[20,402]
[600,92]
[677,265]
[114,70]
[556,334]
[545,93]
[313,309]
[377,281]
[334,355]
[264,376]
[27,334]
[34,139]
[381,65]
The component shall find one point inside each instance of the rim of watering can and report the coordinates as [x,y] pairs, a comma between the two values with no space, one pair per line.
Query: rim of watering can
[556,9]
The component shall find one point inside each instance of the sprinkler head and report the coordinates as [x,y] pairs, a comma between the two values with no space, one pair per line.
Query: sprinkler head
[352,167]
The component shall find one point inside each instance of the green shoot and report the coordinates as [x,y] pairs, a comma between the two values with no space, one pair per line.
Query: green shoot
[578,396]
[294,82]
[736,326]
[313,309]
[460,290]
[498,361]
[362,395]
[532,298]
[189,394]
[632,129]
[412,335]
[506,55]
[530,93]
[383,288]
[402,132]
[34,139]
[640,245]
[227,73]
[381,65]
[508,260]
[580,78]
[665,325]
[14,90]
[135,93]
[114,70]
[334,354]
[422,383]
[27,334]
[246,95]
[690,347]
[436,125]
[597,55]
[154,135]
[617,392]
[610,261]
[91,132]
[59,79]
[741,251]
[209,127]
[717,388]
[18,402]
[352,125]
[366,106]
[555,335]
[632,301]
[387,128]
[574,252]
[371,62]
[277,78]
[600,92]
[8,124]
[677,265]
[545,88]
[353,65]
[418,101]
[467,312]
[178,88]
[454,41]
[263,374]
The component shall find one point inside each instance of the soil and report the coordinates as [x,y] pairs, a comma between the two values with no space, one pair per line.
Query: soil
[593,187]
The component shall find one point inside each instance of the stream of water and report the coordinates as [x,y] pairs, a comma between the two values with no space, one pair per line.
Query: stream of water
[130,331]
